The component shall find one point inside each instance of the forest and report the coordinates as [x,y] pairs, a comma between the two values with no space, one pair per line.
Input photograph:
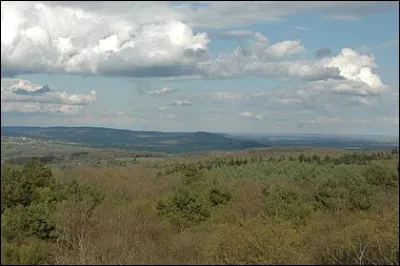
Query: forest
[261,207]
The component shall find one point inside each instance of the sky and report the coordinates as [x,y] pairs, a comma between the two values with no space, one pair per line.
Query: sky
[255,67]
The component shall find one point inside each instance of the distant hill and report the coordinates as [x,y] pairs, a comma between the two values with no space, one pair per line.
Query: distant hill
[171,142]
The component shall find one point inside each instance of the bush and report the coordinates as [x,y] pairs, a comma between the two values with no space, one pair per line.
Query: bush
[185,209]
[345,191]
[378,175]
[255,241]
[14,223]
[284,202]
[191,175]
[40,222]
[355,238]
[32,253]
[218,196]
[18,187]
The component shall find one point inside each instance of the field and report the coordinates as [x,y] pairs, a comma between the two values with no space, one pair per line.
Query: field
[259,206]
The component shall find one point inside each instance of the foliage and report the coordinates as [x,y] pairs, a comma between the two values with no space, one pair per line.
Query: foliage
[345,191]
[285,203]
[184,209]
[18,187]
[259,207]
[30,199]
[378,175]
[218,196]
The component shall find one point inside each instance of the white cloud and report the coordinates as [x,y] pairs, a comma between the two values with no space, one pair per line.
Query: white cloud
[128,39]
[326,120]
[344,17]
[35,107]
[302,28]
[69,40]
[251,115]
[344,87]
[232,34]
[227,96]
[181,103]
[359,101]
[289,100]
[23,96]
[157,92]
[356,72]
[262,49]
[356,67]
[116,113]
[361,121]
[284,49]
[240,65]
[162,108]
[218,14]
[169,116]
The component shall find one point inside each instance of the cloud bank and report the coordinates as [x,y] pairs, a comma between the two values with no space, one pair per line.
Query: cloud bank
[77,38]
[22,96]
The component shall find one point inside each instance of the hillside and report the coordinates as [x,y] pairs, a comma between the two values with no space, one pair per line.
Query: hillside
[171,142]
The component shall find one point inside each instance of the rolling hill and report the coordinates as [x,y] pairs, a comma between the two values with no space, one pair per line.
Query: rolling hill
[171,142]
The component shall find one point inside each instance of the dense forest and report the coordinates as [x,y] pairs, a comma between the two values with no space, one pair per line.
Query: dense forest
[240,208]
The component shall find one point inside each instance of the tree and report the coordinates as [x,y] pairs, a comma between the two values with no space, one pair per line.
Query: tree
[18,187]
[184,209]
[378,175]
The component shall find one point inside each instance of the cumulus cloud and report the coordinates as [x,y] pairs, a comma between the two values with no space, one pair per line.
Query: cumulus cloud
[232,34]
[69,40]
[218,14]
[23,96]
[349,87]
[356,67]
[284,49]
[115,39]
[356,72]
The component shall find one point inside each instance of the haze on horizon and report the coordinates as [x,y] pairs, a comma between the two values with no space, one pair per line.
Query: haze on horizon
[261,67]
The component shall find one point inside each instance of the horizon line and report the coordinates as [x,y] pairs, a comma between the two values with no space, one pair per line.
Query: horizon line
[219,132]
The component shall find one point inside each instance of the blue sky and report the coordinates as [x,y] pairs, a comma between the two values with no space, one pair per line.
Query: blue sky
[262,67]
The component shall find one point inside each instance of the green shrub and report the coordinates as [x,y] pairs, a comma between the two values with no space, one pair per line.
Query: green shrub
[40,222]
[218,196]
[345,191]
[185,209]
[14,222]
[284,202]
[18,187]
[32,253]
[255,241]
[378,175]
[191,174]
